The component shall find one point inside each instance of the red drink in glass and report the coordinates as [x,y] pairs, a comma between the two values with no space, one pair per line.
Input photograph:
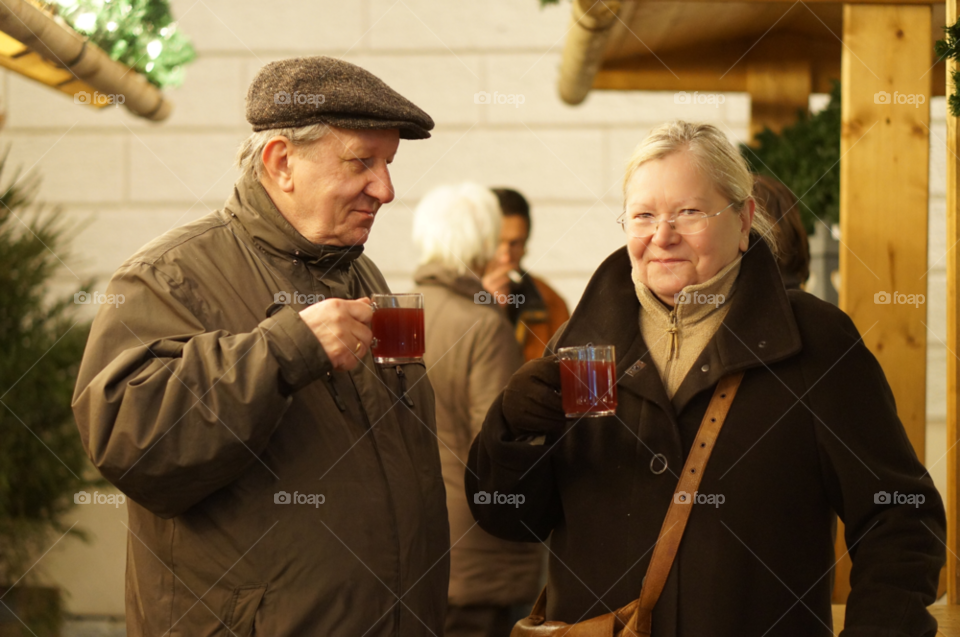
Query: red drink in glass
[588,380]
[398,332]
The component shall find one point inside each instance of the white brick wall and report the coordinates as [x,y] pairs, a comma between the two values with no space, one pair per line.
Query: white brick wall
[129,180]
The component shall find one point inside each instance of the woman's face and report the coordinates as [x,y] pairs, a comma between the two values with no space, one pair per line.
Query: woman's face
[666,261]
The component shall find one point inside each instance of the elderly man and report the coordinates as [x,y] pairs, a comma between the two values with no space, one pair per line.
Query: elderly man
[281,482]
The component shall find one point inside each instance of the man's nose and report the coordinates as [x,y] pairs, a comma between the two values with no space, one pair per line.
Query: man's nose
[381,187]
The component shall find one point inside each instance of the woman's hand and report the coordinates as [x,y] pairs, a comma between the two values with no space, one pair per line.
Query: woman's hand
[532,404]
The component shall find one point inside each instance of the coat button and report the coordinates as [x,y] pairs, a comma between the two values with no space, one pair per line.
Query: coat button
[762,344]
[658,464]
[705,368]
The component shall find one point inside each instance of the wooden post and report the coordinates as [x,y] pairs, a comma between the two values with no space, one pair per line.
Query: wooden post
[884,177]
[953,363]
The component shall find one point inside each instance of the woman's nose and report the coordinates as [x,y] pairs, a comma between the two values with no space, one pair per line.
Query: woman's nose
[665,233]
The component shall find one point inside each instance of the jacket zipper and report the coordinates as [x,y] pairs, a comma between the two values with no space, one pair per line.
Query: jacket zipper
[403,387]
[336,395]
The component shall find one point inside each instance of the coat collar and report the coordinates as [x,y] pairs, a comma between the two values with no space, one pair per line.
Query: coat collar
[466,284]
[758,330]
[271,231]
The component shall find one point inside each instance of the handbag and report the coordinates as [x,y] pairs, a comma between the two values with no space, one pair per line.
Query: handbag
[634,619]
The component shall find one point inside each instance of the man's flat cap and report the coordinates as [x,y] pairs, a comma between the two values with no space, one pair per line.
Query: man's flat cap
[323,90]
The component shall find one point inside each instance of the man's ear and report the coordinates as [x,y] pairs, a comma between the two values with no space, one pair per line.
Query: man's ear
[276,162]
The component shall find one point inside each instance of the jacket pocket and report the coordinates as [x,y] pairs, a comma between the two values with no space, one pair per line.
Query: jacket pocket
[242,608]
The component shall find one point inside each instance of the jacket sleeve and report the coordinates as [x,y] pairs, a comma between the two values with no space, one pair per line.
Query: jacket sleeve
[170,412]
[499,464]
[893,515]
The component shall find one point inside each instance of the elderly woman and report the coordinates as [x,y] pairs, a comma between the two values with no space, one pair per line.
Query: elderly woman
[812,431]
[470,355]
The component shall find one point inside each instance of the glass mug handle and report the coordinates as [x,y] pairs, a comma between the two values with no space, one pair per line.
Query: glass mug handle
[373,341]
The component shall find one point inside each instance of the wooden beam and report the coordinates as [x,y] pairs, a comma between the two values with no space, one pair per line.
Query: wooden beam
[787,4]
[777,91]
[953,346]
[715,68]
[884,184]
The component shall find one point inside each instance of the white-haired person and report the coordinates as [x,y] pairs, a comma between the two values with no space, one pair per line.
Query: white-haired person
[748,418]
[470,354]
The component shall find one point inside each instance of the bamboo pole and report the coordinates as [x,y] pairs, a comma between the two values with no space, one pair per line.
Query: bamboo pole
[67,49]
[589,31]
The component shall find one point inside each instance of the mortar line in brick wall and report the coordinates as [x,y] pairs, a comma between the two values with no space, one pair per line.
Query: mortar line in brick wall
[641,127]
[369,51]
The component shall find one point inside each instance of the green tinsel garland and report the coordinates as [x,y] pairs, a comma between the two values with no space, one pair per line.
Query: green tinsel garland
[138,33]
[948,48]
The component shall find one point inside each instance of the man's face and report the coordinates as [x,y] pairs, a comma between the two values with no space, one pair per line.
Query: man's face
[513,239]
[340,182]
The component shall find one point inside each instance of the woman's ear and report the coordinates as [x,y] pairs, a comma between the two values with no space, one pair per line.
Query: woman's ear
[276,162]
[746,222]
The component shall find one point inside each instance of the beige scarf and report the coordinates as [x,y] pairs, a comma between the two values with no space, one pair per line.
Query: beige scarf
[677,335]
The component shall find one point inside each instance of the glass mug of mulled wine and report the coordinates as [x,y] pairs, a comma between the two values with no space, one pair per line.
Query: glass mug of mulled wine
[588,380]
[398,333]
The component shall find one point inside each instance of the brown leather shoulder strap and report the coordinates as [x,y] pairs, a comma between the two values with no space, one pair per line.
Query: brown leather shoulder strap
[679,512]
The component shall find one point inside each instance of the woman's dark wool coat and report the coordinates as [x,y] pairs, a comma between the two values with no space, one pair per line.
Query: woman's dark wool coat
[812,433]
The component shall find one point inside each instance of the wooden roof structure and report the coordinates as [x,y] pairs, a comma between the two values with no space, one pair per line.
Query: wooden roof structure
[779,52]
[44,49]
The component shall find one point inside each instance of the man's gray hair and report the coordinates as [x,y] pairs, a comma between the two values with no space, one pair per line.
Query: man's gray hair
[457,226]
[250,155]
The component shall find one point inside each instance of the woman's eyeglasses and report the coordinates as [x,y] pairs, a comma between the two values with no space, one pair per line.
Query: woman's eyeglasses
[645,224]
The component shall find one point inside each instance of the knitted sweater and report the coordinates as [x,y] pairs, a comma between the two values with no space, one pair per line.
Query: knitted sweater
[676,335]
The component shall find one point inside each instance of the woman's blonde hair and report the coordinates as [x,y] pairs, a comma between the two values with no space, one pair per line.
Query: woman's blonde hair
[715,156]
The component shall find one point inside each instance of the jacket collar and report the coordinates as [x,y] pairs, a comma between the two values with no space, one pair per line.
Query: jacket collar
[271,231]
[466,284]
[758,330]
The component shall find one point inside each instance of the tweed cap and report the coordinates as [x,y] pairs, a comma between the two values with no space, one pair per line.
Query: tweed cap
[323,90]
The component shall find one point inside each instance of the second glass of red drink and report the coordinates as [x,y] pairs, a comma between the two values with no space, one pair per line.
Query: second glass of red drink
[588,380]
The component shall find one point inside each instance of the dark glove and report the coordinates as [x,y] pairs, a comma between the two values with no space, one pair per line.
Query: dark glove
[532,404]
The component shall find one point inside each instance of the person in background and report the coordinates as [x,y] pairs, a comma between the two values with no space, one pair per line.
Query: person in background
[535,310]
[470,355]
[782,207]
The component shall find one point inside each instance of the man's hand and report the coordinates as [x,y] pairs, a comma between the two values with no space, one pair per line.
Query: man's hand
[532,404]
[496,279]
[343,329]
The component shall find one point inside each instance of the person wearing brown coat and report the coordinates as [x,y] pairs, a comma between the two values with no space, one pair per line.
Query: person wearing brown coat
[280,482]
[470,355]
[812,433]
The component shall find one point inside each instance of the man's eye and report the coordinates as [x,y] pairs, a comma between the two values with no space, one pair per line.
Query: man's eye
[690,212]
[643,216]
